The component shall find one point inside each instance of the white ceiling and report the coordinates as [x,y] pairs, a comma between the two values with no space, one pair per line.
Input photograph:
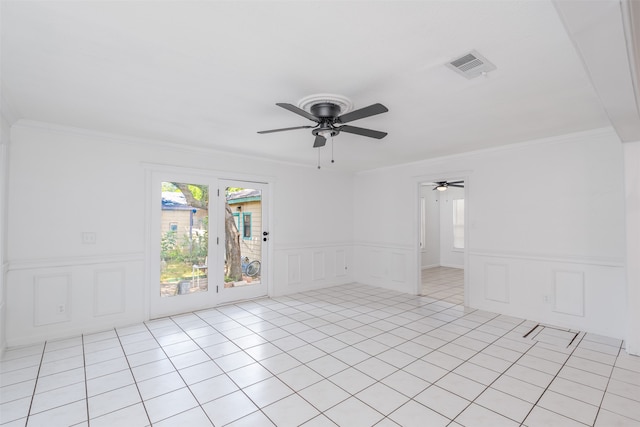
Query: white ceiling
[208,73]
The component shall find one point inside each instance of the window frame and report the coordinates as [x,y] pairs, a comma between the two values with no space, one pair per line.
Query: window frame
[244,226]
[458,225]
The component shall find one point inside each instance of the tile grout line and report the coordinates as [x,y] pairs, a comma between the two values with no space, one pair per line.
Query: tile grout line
[608,381]
[471,379]
[516,397]
[133,376]
[551,382]
[35,386]
[86,387]
[451,420]
[419,358]
[232,380]
[178,371]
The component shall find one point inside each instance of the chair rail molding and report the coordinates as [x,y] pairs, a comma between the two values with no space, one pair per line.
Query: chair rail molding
[54,262]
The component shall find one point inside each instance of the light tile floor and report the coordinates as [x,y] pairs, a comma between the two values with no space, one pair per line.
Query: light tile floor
[444,283]
[350,356]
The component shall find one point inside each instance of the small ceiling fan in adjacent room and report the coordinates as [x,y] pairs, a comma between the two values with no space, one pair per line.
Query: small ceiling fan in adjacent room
[330,113]
[444,185]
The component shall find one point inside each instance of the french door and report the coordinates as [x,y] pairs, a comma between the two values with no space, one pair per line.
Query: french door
[207,242]
[242,227]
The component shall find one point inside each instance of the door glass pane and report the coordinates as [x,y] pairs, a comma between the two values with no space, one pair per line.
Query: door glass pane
[184,244]
[243,237]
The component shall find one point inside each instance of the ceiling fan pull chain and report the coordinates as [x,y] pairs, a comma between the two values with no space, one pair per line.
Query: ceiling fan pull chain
[318,158]
[332,161]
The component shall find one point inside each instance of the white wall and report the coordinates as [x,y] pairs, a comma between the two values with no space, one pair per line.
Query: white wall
[4,163]
[552,251]
[66,181]
[632,187]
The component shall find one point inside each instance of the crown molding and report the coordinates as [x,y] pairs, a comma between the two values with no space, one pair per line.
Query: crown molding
[185,147]
[558,139]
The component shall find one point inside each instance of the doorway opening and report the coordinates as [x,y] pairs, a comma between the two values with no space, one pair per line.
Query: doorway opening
[442,240]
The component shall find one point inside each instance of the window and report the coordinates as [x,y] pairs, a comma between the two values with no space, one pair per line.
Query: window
[458,224]
[246,225]
[423,222]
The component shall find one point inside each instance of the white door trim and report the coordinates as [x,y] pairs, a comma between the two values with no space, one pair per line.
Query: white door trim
[449,176]
[153,173]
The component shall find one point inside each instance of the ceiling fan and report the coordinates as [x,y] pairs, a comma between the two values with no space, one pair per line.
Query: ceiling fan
[330,123]
[443,185]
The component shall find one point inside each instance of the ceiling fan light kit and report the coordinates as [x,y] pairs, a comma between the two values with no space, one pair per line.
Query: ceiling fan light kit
[444,185]
[330,113]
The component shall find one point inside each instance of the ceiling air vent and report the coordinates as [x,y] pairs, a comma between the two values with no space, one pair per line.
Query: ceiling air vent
[471,65]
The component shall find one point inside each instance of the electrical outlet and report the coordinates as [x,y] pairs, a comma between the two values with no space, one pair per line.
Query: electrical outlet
[88,237]
[546,299]
[61,308]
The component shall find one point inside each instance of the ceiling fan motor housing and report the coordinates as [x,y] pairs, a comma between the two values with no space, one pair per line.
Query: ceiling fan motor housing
[325,110]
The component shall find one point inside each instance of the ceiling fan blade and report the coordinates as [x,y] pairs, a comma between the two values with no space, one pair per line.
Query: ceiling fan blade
[455,182]
[298,111]
[362,131]
[283,129]
[319,142]
[456,185]
[371,110]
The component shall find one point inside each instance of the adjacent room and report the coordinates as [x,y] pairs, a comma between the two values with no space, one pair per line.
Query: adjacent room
[345,213]
[442,232]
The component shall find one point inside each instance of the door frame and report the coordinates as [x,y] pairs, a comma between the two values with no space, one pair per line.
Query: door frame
[154,172]
[418,181]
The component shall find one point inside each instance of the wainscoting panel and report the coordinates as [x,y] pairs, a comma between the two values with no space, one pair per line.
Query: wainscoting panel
[52,299]
[386,266]
[318,267]
[378,263]
[58,298]
[398,267]
[582,294]
[496,282]
[294,268]
[109,292]
[341,263]
[568,295]
[307,267]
